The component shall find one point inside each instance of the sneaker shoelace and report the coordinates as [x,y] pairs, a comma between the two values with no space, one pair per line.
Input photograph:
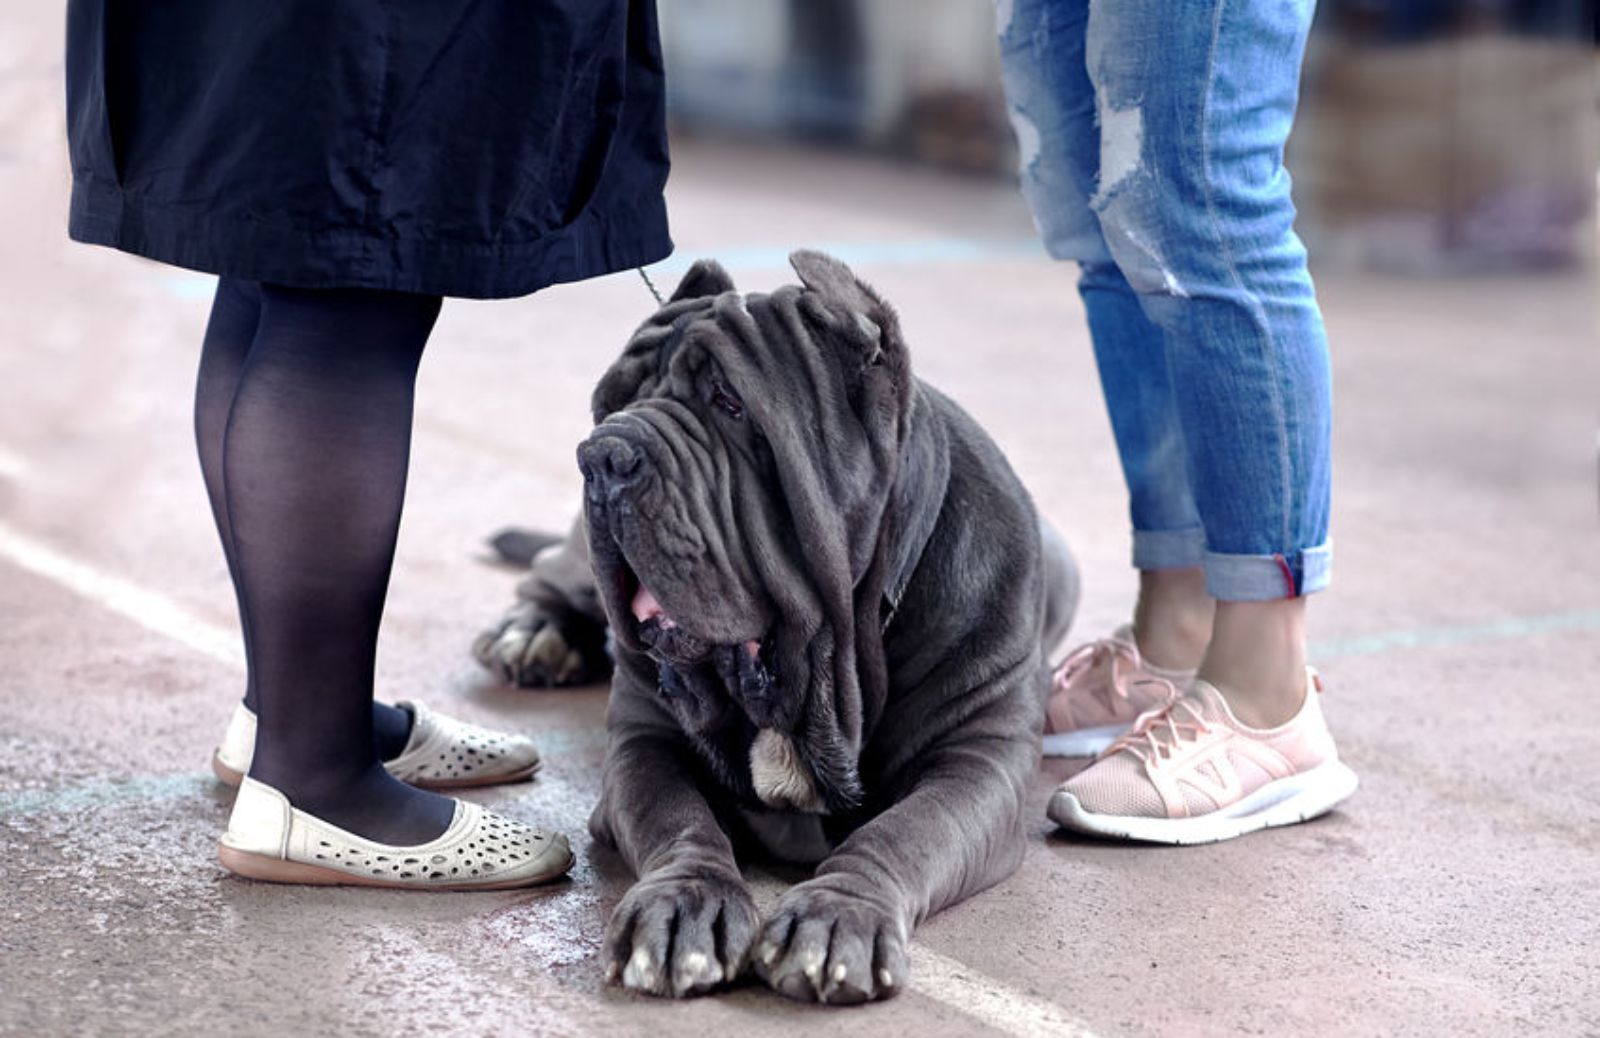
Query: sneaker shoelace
[1160,733]
[1122,658]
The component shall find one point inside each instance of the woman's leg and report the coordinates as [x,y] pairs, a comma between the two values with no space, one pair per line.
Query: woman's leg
[1053,107]
[314,463]
[235,314]
[230,332]
[1195,104]
[1152,136]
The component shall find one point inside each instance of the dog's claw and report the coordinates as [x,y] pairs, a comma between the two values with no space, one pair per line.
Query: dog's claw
[680,937]
[532,649]
[825,945]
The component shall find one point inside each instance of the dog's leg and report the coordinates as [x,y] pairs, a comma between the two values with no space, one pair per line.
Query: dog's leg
[841,937]
[684,928]
[555,634]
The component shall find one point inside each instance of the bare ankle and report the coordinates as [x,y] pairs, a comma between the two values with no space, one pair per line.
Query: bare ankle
[1257,659]
[1173,617]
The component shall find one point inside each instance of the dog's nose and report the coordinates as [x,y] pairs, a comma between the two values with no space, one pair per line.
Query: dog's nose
[619,459]
[609,463]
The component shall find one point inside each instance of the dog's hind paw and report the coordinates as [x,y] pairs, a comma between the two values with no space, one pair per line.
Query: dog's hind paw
[824,945]
[534,649]
[679,937]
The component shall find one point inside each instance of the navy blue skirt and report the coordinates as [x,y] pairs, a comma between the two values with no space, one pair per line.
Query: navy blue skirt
[479,148]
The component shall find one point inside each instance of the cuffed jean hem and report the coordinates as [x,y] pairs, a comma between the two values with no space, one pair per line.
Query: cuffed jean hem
[1169,549]
[1262,578]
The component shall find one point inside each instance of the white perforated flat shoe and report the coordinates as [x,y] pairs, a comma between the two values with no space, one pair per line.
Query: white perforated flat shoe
[442,753]
[270,839]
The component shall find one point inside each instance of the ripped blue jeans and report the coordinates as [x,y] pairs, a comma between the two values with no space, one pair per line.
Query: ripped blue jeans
[1152,135]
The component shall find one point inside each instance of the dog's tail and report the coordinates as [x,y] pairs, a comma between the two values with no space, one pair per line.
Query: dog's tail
[518,546]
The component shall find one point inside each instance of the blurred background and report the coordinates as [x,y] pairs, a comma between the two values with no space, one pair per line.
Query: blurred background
[1433,135]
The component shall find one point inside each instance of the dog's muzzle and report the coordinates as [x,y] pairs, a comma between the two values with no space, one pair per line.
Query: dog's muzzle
[611,466]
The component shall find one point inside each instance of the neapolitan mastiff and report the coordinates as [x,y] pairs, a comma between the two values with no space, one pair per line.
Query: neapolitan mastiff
[829,600]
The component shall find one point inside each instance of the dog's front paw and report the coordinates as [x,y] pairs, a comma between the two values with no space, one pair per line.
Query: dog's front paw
[823,944]
[534,649]
[680,936]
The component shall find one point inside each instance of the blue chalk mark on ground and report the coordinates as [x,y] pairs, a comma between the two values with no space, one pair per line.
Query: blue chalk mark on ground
[152,788]
[188,285]
[1465,634]
[197,784]
[71,799]
[194,287]
[920,252]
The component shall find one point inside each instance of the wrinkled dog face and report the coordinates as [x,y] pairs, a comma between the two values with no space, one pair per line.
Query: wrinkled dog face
[680,482]
[733,486]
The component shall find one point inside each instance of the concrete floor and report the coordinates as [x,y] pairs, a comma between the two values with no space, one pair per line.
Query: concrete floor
[1454,894]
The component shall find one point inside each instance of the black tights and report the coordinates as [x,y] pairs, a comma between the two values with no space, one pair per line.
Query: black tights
[303,420]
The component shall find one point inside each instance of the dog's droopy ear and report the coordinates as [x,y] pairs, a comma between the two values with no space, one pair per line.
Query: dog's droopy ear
[705,278]
[643,362]
[857,310]
[830,277]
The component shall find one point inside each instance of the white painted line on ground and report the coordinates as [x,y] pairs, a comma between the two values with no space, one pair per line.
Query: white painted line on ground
[936,977]
[969,992]
[153,611]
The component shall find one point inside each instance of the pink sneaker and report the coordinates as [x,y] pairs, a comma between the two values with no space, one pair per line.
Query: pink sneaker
[1191,773]
[1099,690]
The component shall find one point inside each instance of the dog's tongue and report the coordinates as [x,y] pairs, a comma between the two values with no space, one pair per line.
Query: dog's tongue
[646,607]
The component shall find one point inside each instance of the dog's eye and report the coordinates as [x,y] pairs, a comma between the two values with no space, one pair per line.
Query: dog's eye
[722,397]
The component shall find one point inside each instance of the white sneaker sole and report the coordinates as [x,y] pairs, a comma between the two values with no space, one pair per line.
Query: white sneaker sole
[1286,801]
[1081,742]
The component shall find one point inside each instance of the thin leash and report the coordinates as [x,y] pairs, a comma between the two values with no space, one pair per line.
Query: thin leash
[651,285]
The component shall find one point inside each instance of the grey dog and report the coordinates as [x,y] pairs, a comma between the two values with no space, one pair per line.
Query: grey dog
[829,600]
